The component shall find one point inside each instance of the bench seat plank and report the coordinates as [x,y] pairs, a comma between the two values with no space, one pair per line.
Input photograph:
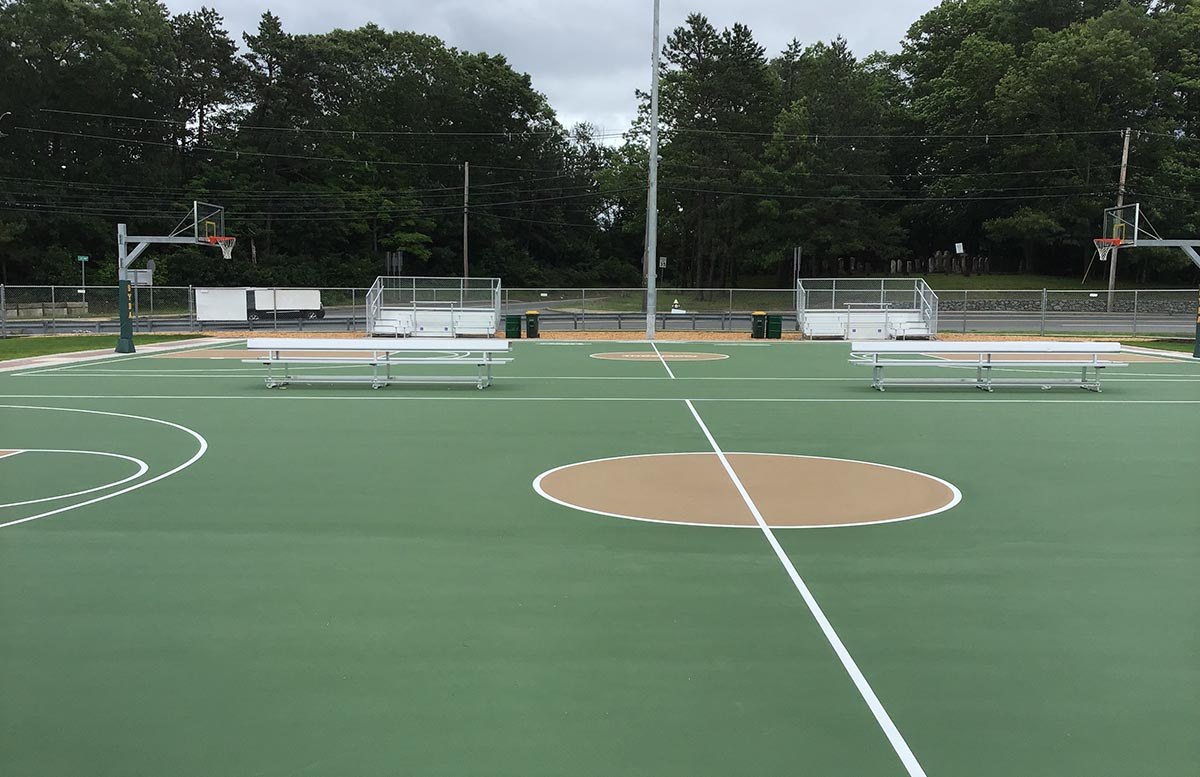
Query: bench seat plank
[991,346]
[473,345]
[380,355]
[1083,355]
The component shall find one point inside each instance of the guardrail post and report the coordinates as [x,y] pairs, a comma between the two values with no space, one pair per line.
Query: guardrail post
[1045,302]
[1135,310]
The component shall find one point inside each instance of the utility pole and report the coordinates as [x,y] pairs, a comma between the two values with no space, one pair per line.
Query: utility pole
[1112,259]
[652,196]
[466,206]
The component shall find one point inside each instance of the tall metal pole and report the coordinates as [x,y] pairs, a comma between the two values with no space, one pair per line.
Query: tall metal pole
[466,205]
[652,196]
[124,293]
[1112,259]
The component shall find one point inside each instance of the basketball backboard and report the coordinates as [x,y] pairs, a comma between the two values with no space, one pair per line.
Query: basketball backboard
[208,221]
[1123,223]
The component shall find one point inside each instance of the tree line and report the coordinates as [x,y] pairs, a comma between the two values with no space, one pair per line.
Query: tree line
[998,124]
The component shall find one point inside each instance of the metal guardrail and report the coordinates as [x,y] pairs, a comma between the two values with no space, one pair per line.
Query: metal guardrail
[74,309]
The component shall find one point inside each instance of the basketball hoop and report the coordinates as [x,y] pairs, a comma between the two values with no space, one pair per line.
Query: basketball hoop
[1105,246]
[224,243]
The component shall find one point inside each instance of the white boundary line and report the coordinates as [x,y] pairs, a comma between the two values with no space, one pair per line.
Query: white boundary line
[1178,356]
[666,366]
[537,486]
[241,372]
[92,356]
[196,457]
[856,676]
[141,466]
[6,453]
[476,398]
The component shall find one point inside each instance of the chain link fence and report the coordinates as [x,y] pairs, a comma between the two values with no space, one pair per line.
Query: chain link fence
[48,310]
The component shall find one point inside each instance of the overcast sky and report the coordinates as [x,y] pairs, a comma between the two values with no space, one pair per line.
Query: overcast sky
[586,56]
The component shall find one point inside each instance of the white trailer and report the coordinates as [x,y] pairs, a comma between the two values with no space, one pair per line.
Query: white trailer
[250,304]
[221,304]
[286,303]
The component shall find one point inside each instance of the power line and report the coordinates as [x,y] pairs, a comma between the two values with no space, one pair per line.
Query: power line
[921,175]
[269,155]
[854,198]
[817,137]
[202,191]
[559,132]
[99,210]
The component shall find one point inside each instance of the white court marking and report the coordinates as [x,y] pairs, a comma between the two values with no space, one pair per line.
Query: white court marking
[856,676]
[882,400]
[142,468]
[537,486]
[203,448]
[666,366]
[106,360]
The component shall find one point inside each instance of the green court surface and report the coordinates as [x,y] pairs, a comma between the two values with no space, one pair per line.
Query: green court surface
[201,576]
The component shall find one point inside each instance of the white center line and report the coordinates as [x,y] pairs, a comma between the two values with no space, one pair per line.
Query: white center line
[661,359]
[860,682]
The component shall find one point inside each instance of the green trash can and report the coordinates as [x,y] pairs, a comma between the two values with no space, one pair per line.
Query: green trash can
[774,327]
[532,330]
[758,325]
[512,327]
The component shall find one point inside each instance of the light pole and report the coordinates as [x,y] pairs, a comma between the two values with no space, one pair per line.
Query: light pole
[652,195]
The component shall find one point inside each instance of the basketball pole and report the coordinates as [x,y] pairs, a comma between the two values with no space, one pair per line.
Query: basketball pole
[652,195]
[466,215]
[1112,259]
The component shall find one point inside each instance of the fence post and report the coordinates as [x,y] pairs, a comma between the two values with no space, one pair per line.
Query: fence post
[53,317]
[731,302]
[1045,301]
[1135,310]
[964,312]
[583,307]
[191,302]
[3,313]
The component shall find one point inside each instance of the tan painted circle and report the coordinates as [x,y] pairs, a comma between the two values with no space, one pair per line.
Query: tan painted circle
[651,356]
[789,491]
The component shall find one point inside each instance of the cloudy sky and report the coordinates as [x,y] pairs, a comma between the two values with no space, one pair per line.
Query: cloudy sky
[587,56]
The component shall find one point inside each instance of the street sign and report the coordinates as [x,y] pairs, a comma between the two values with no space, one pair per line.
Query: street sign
[662,262]
[81,258]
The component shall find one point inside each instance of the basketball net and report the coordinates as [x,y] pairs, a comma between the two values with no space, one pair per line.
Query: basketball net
[226,244]
[1105,247]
